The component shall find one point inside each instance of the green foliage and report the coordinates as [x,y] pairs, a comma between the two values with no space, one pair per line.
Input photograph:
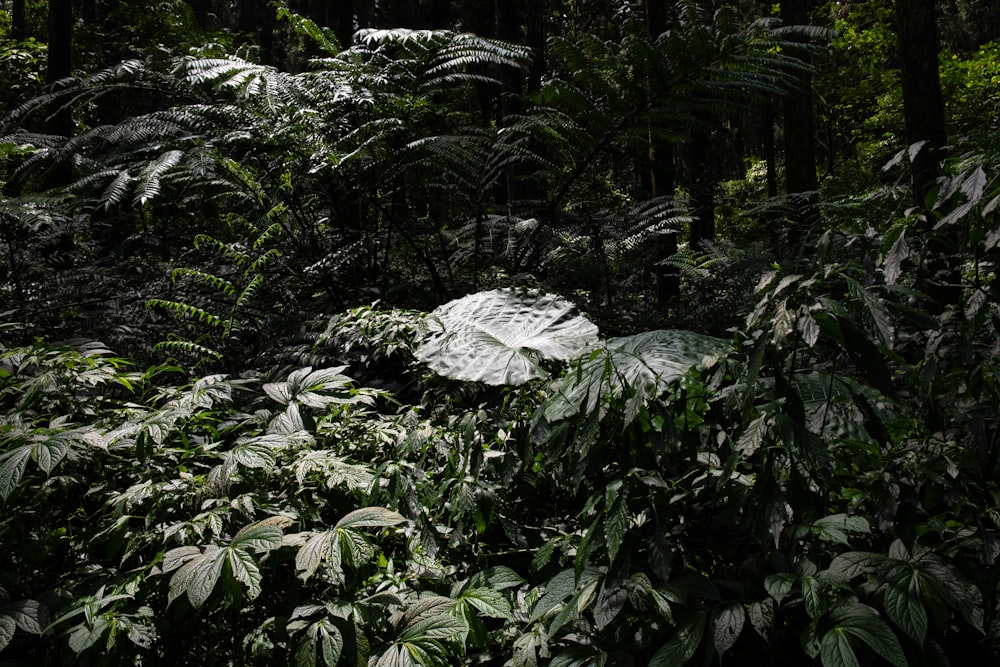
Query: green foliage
[499,337]
[795,462]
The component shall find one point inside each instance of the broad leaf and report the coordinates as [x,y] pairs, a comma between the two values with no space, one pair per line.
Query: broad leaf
[245,570]
[728,626]
[489,602]
[437,627]
[834,528]
[261,536]
[204,575]
[762,616]
[7,627]
[860,622]
[682,646]
[779,585]
[639,367]
[12,465]
[500,336]
[29,615]
[320,547]
[836,650]
[370,516]
[904,602]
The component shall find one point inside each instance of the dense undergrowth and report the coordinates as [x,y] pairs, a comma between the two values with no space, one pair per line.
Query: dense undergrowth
[819,485]
[792,462]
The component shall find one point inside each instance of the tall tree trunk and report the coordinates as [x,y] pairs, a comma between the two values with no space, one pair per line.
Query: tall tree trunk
[18,20]
[701,184]
[60,56]
[60,66]
[800,140]
[800,137]
[199,8]
[770,160]
[923,114]
[339,15]
[537,35]
[662,180]
[88,11]
[256,23]
[923,108]
[509,29]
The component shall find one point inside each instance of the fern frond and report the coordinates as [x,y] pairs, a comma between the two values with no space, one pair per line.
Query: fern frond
[149,178]
[217,283]
[272,232]
[188,347]
[186,311]
[263,261]
[248,292]
[227,250]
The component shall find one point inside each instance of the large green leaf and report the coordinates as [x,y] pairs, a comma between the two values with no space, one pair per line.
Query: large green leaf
[859,622]
[638,367]
[370,517]
[500,336]
[683,645]
[7,627]
[12,466]
[728,625]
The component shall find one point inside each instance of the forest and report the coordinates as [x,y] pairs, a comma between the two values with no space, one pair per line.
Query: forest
[534,333]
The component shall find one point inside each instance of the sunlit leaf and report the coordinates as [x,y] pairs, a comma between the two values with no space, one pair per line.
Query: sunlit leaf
[489,602]
[728,624]
[30,615]
[500,336]
[12,466]
[261,536]
[7,627]
[639,367]
[245,570]
[370,517]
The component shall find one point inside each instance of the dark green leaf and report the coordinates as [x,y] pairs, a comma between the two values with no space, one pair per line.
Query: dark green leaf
[489,602]
[12,465]
[836,650]
[29,615]
[904,602]
[682,645]
[762,616]
[779,585]
[728,624]
[7,627]
[861,621]
[370,517]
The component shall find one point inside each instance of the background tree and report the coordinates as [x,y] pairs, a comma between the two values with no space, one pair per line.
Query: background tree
[923,108]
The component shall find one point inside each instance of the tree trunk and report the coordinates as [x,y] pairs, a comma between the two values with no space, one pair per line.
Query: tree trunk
[923,108]
[60,59]
[701,184]
[800,136]
[339,15]
[923,114]
[537,34]
[800,139]
[662,181]
[770,160]
[199,8]
[18,21]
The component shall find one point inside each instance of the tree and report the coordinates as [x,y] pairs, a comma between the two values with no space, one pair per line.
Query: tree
[923,106]
[18,20]
[800,137]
